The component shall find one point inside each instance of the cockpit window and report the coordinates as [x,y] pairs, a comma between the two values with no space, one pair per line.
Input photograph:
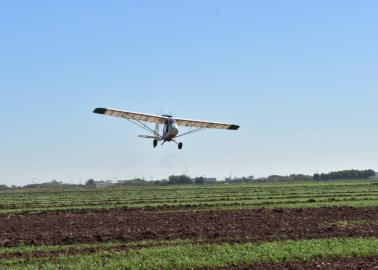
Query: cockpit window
[172,123]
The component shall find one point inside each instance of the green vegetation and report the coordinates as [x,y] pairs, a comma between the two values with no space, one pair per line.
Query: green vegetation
[188,256]
[227,196]
[347,174]
[29,250]
[190,253]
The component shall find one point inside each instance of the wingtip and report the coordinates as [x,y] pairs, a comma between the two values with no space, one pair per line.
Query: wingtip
[234,127]
[99,110]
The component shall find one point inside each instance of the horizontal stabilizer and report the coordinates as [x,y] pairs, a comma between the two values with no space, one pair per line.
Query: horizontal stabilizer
[148,137]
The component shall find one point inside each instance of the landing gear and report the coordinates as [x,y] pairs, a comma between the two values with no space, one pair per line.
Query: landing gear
[155,143]
[180,145]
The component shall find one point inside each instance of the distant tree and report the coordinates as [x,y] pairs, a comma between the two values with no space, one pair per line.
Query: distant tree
[298,177]
[345,175]
[179,179]
[90,183]
[248,179]
[54,183]
[261,179]
[199,180]
[281,178]
[137,182]
[276,178]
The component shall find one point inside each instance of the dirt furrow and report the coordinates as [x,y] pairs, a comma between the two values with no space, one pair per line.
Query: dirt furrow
[135,225]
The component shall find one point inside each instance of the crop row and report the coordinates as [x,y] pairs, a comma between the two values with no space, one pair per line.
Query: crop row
[212,196]
[192,256]
[53,202]
[306,203]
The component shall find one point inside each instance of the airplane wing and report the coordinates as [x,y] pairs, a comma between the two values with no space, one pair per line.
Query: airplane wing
[205,124]
[132,115]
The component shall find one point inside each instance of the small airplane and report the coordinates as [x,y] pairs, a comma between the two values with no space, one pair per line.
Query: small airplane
[170,130]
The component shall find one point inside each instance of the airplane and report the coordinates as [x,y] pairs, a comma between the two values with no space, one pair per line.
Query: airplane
[170,130]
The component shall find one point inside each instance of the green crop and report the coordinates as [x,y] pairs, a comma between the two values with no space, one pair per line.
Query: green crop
[310,194]
[189,256]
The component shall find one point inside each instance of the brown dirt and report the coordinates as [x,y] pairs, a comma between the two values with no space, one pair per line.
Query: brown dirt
[232,225]
[368,263]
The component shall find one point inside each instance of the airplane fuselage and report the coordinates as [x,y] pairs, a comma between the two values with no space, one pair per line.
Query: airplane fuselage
[170,130]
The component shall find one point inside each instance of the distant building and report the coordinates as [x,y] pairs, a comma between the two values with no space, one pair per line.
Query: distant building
[103,184]
[209,180]
[374,177]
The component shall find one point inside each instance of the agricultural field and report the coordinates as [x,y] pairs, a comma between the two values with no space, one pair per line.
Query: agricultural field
[301,225]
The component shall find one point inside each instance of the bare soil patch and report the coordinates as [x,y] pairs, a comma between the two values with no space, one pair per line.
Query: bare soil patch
[232,225]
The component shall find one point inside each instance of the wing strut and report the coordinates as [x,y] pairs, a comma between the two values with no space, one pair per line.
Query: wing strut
[142,125]
[207,125]
[190,132]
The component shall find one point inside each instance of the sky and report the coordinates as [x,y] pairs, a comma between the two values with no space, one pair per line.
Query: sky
[299,77]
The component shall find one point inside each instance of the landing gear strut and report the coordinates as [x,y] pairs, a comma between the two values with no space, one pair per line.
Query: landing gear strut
[155,143]
[180,145]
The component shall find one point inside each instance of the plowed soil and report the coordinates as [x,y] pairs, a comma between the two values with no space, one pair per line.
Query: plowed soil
[231,225]
[368,263]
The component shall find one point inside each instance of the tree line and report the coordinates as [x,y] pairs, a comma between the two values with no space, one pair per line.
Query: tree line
[345,175]
[187,180]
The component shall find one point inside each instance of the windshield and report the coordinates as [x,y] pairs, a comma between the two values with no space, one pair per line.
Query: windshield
[172,123]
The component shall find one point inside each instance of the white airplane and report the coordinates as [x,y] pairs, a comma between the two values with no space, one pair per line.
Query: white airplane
[170,130]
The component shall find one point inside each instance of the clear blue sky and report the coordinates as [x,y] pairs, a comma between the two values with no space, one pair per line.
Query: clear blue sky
[299,77]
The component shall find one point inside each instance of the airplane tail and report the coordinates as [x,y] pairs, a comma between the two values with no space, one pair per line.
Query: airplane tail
[149,137]
[156,135]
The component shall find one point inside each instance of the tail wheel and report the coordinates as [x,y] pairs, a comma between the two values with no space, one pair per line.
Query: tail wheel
[180,145]
[155,143]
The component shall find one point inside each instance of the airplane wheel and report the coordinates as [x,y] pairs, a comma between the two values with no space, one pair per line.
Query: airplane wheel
[180,145]
[155,143]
